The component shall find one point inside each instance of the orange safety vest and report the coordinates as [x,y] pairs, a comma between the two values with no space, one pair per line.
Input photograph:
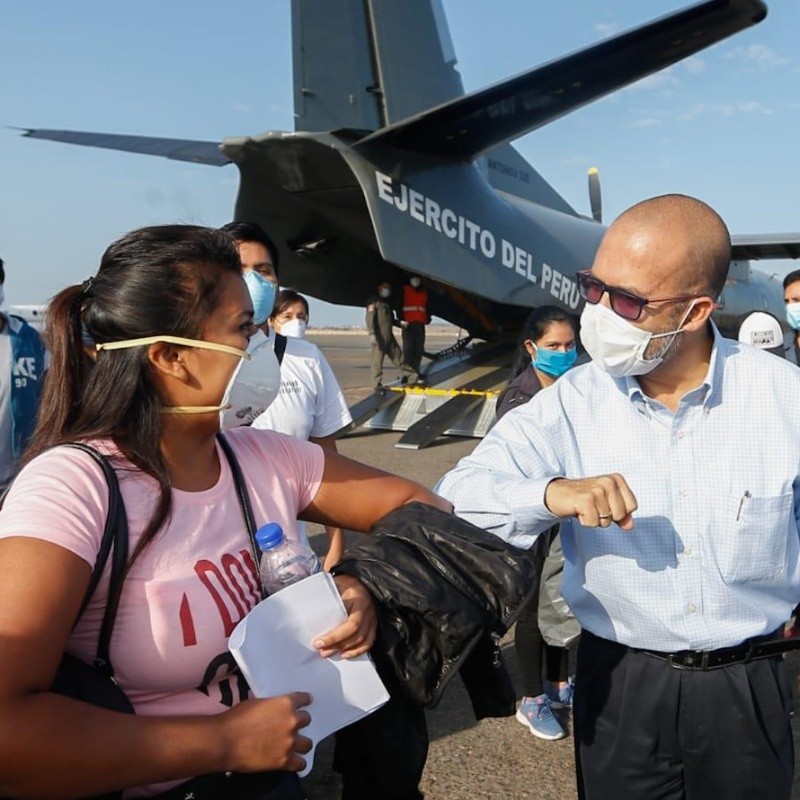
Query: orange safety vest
[415,304]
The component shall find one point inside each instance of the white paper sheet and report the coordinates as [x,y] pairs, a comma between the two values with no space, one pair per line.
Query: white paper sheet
[273,647]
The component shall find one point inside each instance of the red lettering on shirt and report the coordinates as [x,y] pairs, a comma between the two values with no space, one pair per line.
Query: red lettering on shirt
[187,623]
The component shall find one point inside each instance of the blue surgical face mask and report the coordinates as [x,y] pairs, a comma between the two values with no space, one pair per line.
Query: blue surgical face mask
[553,362]
[262,293]
[793,315]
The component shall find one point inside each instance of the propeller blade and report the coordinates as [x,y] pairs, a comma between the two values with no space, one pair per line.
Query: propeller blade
[595,201]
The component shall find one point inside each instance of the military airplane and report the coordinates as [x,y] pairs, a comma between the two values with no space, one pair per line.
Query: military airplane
[393,169]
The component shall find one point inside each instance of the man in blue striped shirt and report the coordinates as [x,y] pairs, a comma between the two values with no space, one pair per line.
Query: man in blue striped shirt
[673,461]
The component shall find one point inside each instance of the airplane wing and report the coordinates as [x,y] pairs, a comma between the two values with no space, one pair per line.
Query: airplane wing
[765,245]
[178,149]
[474,123]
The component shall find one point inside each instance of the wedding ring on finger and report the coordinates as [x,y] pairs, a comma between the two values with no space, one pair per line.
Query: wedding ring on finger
[604,516]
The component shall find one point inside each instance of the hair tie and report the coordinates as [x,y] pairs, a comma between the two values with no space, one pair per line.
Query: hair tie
[86,286]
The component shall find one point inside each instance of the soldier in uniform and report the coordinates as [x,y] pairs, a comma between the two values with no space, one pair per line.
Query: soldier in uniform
[380,319]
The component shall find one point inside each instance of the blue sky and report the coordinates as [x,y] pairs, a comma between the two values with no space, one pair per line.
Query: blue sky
[721,125]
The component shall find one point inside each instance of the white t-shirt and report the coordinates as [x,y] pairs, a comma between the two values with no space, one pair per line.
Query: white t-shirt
[310,402]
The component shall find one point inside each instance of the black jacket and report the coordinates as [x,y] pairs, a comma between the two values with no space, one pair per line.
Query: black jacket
[518,392]
[445,591]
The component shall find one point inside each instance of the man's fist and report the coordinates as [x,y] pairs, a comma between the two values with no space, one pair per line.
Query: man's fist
[596,502]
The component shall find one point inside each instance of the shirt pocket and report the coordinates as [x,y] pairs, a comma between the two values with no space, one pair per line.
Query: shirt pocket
[753,541]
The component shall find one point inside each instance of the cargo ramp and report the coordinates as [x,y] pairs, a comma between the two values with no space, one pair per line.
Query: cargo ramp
[459,399]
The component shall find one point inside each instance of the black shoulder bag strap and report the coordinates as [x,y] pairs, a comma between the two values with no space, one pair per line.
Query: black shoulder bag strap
[280,347]
[115,538]
[244,498]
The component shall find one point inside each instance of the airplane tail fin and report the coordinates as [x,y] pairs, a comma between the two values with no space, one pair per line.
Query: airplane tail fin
[365,65]
[468,126]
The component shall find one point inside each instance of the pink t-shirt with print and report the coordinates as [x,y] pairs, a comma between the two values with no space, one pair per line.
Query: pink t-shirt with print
[189,588]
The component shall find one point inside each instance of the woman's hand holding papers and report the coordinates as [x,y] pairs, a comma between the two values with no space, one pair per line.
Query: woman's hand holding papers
[356,634]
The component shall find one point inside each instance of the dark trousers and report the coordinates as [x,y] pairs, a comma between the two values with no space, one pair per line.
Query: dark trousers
[534,655]
[239,786]
[391,349]
[413,343]
[647,731]
[382,756]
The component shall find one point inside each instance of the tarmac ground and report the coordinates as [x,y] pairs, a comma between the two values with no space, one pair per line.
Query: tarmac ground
[496,759]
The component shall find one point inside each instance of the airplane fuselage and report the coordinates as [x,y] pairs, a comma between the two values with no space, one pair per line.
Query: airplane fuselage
[372,215]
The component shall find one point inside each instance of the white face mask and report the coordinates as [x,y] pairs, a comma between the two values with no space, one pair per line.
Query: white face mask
[296,328]
[253,385]
[617,346]
[414,282]
[202,344]
[384,292]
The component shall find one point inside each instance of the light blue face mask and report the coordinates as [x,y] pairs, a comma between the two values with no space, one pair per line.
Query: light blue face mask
[554,362]
[262,293]
[793,315]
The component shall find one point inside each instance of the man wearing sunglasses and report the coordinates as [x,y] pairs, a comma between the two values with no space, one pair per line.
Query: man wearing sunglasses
[673,462]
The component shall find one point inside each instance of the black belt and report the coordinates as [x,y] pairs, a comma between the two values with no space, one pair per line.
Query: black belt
[762,647]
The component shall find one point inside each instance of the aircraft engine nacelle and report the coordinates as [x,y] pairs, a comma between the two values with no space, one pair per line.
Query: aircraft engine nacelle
[747,290]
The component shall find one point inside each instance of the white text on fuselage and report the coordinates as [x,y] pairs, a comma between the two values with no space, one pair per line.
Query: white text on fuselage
[474,237]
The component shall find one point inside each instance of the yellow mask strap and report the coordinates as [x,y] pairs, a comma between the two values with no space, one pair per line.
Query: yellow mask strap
[200,343]
[194,409]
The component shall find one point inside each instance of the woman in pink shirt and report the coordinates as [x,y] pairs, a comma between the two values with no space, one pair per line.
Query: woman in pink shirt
[142,355]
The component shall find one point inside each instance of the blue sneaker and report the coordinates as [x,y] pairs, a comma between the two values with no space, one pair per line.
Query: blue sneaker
[537,714]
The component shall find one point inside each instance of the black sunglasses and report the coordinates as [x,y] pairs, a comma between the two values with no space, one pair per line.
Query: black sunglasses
[626,304]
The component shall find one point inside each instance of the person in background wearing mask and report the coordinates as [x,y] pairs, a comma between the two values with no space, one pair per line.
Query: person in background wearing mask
[22,366]
[679,518]
[310,404]
[379,320]
[413,319]
[290,315]
[299,365]
[257,380]
[546,350]
[791,296]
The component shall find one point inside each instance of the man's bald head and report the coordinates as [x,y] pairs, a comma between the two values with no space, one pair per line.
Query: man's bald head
[684,234]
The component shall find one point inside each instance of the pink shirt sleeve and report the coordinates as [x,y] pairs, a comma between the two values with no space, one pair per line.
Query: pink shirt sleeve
[69,495]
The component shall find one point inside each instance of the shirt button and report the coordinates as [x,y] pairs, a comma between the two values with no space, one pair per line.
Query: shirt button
[687,551]
[684,493]
[692,608]
[679,434]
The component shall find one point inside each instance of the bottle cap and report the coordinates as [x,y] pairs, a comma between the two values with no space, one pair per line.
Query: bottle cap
[269,536]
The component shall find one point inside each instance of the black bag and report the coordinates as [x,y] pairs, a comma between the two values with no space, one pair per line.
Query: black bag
[94,683]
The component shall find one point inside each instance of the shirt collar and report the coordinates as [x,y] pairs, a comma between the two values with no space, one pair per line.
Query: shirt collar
[711,384]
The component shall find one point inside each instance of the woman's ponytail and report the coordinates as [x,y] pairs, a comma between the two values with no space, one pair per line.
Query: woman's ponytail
[68,368]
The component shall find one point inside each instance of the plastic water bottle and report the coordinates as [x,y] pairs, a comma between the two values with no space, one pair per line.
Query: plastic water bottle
[283,561]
